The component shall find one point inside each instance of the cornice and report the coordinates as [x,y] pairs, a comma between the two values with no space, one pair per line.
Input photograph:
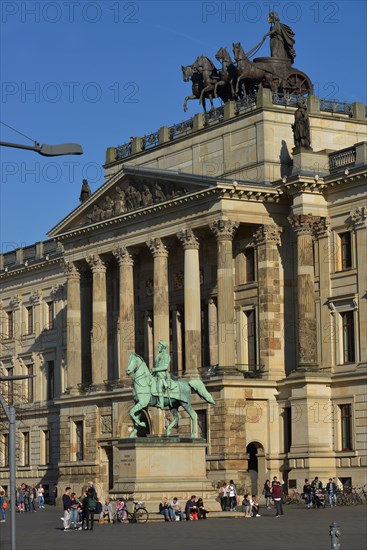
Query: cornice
[21,268]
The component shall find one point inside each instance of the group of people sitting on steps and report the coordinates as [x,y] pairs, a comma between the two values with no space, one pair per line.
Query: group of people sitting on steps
[172,511]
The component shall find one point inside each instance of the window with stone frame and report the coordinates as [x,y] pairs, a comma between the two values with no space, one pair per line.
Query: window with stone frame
[250,264]
[50,315]
[344,251]
[26,450]
[10,324]
[10,386]
[29,384]
[346,427]
[4,450]
[79,439]
[348,340]
[46,435]
[30,319]
[50,380]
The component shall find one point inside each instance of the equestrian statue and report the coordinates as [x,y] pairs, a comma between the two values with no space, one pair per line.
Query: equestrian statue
[156,388]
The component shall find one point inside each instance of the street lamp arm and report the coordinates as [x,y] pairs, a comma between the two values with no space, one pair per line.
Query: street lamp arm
[48,150]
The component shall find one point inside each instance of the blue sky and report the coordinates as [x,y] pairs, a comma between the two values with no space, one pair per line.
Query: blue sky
[97,73]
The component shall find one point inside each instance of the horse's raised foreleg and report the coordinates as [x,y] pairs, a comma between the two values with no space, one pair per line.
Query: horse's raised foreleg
[192,414]
[174,422]
[187,98]
[135,417]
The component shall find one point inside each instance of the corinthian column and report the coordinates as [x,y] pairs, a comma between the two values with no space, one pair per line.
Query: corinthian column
[224,231]
[192,301]
[73,327]
[271,311]
[306,313]
[99,324]
[160,298]
[127,318]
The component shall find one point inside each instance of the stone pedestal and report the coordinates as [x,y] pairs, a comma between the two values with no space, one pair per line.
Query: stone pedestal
[153,467]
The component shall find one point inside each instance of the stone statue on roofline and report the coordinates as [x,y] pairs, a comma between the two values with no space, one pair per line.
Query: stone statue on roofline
[85,192]
[301,127]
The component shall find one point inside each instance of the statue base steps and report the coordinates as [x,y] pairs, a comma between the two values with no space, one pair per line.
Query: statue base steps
[150,468]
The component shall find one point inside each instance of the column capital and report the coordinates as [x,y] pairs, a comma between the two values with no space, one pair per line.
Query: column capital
[96,264]
[303,224]
[157,248]
[267,234]
[188,239]
[358,217]
[57,292]
[123,256]
[224,230]
[71,270]
[321,228]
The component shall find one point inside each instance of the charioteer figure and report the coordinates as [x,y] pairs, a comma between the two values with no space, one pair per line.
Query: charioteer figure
[281,38]
[160,372]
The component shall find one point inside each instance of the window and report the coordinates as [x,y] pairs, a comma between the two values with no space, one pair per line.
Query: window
[346,250]
[287,428]
[26,449]
[348,336]
[10,386]
[250,265]
[46,447]
[29,383]
[29,320]
[4,454]
[50,315]
[251,340]
[79,435]
[346,427]
[50,380]
[10,324]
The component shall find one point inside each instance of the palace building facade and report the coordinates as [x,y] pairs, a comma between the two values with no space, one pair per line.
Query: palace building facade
[247,255]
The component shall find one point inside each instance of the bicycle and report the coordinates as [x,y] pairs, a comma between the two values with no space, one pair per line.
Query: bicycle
[139,513]
[294,498]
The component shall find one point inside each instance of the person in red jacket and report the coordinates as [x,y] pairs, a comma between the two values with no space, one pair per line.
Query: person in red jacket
[276,492]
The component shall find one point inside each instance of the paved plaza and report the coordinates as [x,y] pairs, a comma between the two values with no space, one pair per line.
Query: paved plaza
[298,529]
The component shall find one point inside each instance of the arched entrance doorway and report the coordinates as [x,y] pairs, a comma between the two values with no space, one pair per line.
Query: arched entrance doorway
[256,465]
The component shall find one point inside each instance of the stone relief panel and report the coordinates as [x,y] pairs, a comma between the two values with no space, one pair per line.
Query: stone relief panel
[139,195]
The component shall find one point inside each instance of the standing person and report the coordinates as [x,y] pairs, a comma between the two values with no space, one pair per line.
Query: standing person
[232,495]
[32,496]
[3,506]
[267,493]
[92,488]
[307,491]
[40,496]
[26,498]
[277,497]
[91,505]
[66,501]
[74,505]
[21,498]
[316,492]
[222,493]
[275,480]
[331,489]
[54,493]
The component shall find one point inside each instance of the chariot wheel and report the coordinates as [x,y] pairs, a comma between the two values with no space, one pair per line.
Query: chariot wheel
[298,83]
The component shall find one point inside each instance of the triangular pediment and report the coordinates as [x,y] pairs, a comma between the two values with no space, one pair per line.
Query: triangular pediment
[131,189]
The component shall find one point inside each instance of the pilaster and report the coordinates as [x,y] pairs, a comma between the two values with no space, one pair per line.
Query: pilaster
[99,326]
[160,299]
[73,327]
[359,221]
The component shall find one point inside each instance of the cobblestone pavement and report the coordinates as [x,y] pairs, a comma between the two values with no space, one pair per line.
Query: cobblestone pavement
[298,529]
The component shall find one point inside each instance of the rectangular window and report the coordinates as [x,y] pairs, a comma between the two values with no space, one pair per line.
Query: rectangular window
[50,380]
[10,386]
[5,451]
[346,250]
[250,265]
[26,449]
[348,336]
[47,446]
[50,315]
[29,383]
[287,427]
[79,436]
[10,324]
[251,340]
[346,427]
[30,320]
